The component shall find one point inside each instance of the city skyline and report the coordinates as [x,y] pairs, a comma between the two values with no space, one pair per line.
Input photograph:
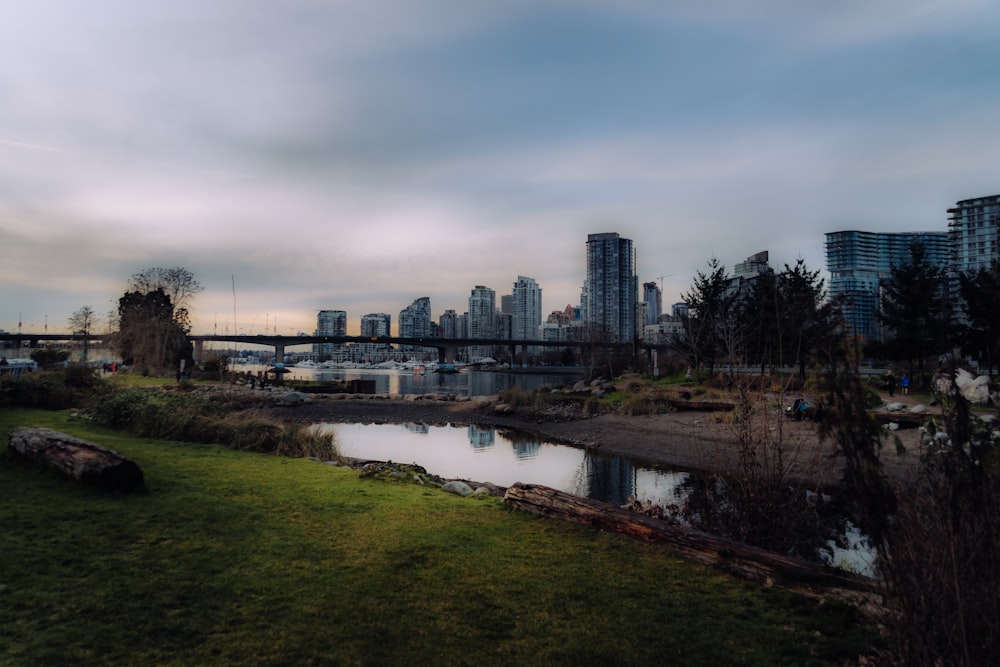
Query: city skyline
[304,157]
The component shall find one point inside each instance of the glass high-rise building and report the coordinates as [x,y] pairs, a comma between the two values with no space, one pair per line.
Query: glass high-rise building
[526,309]
[973,237]
[652,296]
[861,262]
[481,320]
[612,288]
[415,322]
[330,323]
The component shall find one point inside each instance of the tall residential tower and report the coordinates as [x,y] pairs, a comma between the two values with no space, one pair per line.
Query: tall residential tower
[861,262]
[612,288]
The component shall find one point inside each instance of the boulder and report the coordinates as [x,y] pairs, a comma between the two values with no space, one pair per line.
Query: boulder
[458,487]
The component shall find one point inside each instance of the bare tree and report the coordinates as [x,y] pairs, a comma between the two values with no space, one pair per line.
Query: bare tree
[82,321]
[177,283]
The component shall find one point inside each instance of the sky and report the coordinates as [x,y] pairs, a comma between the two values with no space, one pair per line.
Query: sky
[356,155]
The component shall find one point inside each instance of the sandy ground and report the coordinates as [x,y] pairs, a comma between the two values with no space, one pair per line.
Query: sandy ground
[694,440]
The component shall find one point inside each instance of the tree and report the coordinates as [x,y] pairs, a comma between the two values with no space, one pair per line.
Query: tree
[759,310]
[82,322]
[980,294]
[710,316]
[152,329]
[803,318]
[177,283]
[915,310]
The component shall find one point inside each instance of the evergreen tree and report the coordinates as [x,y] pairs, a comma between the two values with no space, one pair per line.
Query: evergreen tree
[980,294]
[759,312]
[709,323]
[915,311]
[803,318]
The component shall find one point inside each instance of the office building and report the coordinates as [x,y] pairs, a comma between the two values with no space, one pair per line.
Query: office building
[860,263]
[611,290]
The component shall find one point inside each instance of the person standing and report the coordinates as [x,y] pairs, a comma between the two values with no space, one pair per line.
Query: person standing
[904,384]
[890,383]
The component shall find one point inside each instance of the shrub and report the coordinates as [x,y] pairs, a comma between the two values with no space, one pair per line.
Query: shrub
[216,418]
[516,397]
[46,390]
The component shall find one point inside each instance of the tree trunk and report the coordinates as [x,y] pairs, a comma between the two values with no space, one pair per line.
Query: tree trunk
[739,559]
[77,458]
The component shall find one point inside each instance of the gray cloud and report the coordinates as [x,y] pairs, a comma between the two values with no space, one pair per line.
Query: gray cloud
[359,155]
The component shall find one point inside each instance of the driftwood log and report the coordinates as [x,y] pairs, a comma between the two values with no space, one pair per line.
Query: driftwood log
[78,458]
[739,559]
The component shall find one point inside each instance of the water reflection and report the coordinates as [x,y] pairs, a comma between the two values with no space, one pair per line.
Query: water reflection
[505,457]
[481,438]
[502,457]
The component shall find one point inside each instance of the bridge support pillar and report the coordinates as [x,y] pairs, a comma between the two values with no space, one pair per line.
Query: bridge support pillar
[446,354]
[279,354]
[199,351]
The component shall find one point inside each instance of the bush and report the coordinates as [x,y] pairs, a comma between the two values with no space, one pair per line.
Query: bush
[66,388]
[516,397]
[223,419]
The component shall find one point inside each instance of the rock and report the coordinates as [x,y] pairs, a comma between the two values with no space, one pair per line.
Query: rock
[580,386]
[458,488]
[503,409]
[481,491]
[894,407]
[974,389]
[919,409]
[292,398]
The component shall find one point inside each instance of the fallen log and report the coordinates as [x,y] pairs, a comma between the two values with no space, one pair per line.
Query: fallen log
[78,458]
[743,560]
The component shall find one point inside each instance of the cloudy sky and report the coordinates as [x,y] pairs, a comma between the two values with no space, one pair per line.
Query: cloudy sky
[357,155]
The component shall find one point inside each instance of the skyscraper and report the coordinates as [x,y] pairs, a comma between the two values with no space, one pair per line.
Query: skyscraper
[448,325]
[861,262]
[653,298]
[415,322]
[526,309]
[612,288]
[481,319]
[375,325]
[973,237]
[330,323]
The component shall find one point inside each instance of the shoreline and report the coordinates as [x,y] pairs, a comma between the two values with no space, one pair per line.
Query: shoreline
[687,440]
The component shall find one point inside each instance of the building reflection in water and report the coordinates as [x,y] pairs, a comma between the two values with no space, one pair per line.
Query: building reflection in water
[481,438]
[413,427]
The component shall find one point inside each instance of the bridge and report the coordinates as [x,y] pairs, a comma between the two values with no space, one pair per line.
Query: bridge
[446,347]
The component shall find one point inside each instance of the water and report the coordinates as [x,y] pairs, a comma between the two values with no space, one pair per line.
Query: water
[485,454]
[398,382]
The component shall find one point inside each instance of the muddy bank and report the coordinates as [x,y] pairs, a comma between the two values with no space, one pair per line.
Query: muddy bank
[695,440]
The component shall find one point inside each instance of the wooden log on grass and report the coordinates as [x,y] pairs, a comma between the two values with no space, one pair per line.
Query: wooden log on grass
[739,559]
[78,458]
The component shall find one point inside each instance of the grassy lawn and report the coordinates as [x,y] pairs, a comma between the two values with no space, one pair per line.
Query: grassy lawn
[238,558]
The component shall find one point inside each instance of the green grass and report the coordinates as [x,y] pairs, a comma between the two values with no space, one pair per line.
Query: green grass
[238,558]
